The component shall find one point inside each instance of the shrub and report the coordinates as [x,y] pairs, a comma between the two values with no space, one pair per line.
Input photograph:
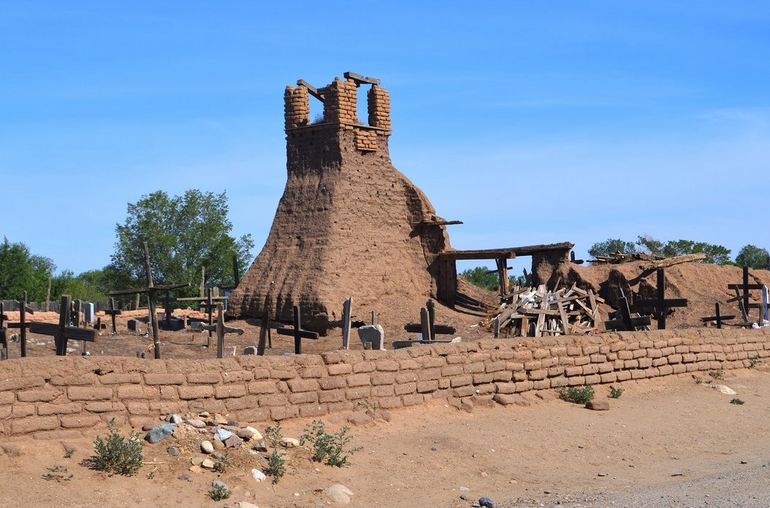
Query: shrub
[219,492]
[615,393]
[329,447]
[577,394]
[276,466]
[118,454]
[737,402]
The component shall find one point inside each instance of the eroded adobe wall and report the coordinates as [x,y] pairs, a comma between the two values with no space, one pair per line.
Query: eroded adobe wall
[57,397]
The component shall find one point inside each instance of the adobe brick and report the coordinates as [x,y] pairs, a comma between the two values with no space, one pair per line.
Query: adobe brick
[519,376]
[120,378]
[524,386]
[549,362]
[275,399]
[688,358]
[522,355]
[413,399]
[104,406]
[537,375]
[574,351]
[540,353]
[196,392]
[432,361]
[383,378]
[576,381]
[463,391]
[359,380]
[382,391]
[161,378]
[303,398]
[593,379]
[390,402]
[359,392]
[631,364]
[427,386]
[590,349]
[557,382]
[573,371]
[229,391]
[307,410]
[168,393]
[303,385]
[624,375]
[238,403]
[72,380]
[337,369]
[363,367]
[451,370]
[542,384]
[58,409]
[262,387]
[34,424]
[236,376]
[283,374]
[473,368]
[591,368]
[138,407]
[582,360]
[331,396]
[625,355]
[90,393]
[405,388]
[503,375]
[482,379]
[609,377]
[18,383]
[279,413]
[313,371]
[386,365]
[514,366]
[532,365]
[428,374]
[41,395]
[330,383]
[461,380]
[406,377]
[598,358]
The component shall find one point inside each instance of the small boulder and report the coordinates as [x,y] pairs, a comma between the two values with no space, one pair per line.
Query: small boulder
[289,442]
[598,405]
[207,447]
[173,451]
[338,493]
[208,464]
[724,389]
[197,423]
[359,418]
[258,475]
[223,434]
[159,432]
[485,502]
[174,419]
[233,441]
[249,434]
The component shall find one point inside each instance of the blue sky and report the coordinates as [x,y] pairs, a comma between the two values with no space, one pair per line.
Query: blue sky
[532,122]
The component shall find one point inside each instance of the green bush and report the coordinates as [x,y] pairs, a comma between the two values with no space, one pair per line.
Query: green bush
[737,402]
[577,394]
[118,454]
[329,447]
[276,463]
[615,393]
[219,492]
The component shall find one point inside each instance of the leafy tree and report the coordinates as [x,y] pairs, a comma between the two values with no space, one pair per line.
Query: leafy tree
[22,271]
[611,246]
[650,245]
[715,254]
[481,277]
[184,233]
[753,257]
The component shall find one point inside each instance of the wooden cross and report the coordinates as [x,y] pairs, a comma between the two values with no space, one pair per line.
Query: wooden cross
[264,332]
[23,324]
[112,312]
[221,330]
[62,332]
[298,332]
[743,299]
[626,322]
[427,326]
[3,315]
[347,308]
[717,317]
[660,305]
[151,290]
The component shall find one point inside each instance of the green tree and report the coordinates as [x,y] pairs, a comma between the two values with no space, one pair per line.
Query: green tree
[753,257]
[715,254]
[481,277]
[611,246]
[22,271]
[650,245]
[184,233]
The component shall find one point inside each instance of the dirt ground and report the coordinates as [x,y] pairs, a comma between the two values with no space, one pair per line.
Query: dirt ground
[662,443]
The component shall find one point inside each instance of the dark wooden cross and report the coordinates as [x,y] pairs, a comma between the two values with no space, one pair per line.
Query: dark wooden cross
[23,324]
[112,312]
[298,332]
[64,331]
[717,317]
[660,305]
[427,326]
[347,309]
[626,322]
[265,334]
[151,291]
[3,315]
[743,298]
[221,330]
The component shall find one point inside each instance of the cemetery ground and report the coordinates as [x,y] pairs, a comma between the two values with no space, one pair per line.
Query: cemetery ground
[668,442]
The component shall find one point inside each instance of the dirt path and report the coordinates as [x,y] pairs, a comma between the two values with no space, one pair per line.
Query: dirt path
[668,442]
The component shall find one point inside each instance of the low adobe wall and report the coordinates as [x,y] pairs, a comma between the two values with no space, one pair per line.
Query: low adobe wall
[56,397]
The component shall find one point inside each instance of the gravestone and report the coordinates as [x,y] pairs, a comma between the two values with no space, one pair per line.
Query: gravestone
[250,350]
[88,312]
[372,334]
[133,325]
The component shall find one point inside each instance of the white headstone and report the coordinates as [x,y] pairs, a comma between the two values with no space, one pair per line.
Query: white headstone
[373,334]
[88,312]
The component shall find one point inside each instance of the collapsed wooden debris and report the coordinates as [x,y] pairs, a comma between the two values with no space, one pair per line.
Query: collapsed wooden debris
[538,312]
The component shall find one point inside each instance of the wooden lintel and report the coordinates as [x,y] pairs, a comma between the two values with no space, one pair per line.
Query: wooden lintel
[361,79]
[311,89]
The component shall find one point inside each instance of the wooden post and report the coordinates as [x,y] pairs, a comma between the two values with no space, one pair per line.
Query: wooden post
[60,340]
[431,307]
[297,328]
[112,312]
[23,324]
[151,302]
[662,310]
[502,273]
[346,311]
[220,331]
[374,318]
[746,289]
[48,295]
[209,310]
[424,324]
[718,315]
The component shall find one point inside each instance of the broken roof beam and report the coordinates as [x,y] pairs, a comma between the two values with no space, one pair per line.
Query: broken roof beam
[440,222]
[311,89]
[510,252]
[361,79]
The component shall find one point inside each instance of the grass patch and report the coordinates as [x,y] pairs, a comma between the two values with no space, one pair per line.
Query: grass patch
[117,454]
[329,448]
[737,402]
[57,474]
[615,393]
[577,394]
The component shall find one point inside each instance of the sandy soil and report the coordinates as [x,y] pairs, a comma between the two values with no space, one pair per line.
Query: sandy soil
[663,443]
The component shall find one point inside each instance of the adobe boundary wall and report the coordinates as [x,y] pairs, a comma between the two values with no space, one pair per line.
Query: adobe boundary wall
[60,397]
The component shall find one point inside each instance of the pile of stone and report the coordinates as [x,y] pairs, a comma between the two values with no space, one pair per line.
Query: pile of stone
[539,312]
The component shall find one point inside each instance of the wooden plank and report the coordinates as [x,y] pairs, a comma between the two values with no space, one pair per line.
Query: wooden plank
[361,79]
[676,260]
[70,332]
[438,329]
[424,324]
[304,334]
[346,310]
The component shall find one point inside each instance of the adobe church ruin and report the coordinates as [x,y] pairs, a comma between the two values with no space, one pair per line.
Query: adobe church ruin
[349,223]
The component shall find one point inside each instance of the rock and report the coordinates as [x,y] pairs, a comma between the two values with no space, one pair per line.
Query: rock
[246,504]
[724,389]
[233,441]
[249,433]
[196,461]
[197,423]
[250,350]
[174,419]
[219,419]
[260,446]
[598,405]
[485,502]
[359,418]
[207,447]
[289,442]
[218,445]
[223,434]
[338,493]
[464,489]
[258,475]
[160,432]
[195,469]
[372,334]
[208,464]
[184,477]
[147,426]
[173,451]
